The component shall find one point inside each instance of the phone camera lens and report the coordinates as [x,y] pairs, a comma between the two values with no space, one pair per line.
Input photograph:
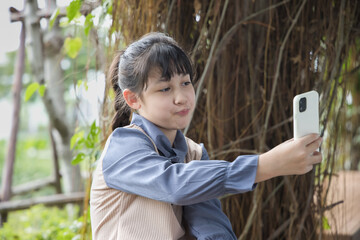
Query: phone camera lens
[302,104]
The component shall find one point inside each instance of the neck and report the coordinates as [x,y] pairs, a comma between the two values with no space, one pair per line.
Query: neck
[170,134]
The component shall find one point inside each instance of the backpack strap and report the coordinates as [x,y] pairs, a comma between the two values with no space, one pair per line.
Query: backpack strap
[141,130]
[194,150]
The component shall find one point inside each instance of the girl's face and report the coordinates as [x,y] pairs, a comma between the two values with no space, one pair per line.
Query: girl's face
[168,104]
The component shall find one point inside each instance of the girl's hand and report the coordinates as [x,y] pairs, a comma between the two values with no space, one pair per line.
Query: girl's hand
[289,158]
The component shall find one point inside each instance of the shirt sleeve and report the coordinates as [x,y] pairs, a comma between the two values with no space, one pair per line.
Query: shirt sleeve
[206,220]
[131,164]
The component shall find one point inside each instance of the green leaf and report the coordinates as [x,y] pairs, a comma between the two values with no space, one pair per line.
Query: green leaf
[89,143]
[80,144]
[94,130]
[78,159]
[73,9]
[54,17]
[88,23]
[109,9]
[41,90]
[93,136]
[86,85]
[81,82]
[325,223]
[30,90]
[111,94]
[76,138]
[78,83]
[72,46]
[107,5]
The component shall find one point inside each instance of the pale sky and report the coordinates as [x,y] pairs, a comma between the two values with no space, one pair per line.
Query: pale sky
[9,41]
[11,31]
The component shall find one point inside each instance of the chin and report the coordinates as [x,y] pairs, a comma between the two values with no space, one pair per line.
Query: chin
[182,126]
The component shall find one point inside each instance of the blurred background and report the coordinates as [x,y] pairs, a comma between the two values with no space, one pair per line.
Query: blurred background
[251,58]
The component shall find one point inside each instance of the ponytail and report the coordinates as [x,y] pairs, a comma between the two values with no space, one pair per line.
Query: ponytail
[122,110]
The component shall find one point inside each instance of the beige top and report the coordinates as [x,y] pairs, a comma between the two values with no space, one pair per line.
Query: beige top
[119,215]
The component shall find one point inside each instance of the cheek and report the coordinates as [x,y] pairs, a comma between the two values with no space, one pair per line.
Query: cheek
[191,96]
[162,103]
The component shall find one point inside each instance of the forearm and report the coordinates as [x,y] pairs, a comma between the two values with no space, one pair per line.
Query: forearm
[293,157]
[266,168]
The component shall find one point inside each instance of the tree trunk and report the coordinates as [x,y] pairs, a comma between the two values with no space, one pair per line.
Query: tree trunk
[10,157]
[45,57]
[56,105]
[355,123]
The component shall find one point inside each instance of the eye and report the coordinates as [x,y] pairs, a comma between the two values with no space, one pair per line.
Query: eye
[165,89]
[187,83]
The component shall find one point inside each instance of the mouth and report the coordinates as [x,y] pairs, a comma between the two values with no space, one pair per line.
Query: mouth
[183,112]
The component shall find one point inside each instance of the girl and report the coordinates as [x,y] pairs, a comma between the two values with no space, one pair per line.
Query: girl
[146,185]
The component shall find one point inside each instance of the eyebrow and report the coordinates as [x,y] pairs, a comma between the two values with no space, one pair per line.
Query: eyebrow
[163,79]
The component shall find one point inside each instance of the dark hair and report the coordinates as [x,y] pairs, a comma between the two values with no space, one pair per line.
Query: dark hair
[130,69]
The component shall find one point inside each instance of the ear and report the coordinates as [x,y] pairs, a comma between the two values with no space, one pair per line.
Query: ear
[131,99]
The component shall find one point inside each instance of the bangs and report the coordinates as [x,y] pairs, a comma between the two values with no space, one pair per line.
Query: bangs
[170,60]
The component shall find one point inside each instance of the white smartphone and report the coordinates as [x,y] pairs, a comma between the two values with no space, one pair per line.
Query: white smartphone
[306,114]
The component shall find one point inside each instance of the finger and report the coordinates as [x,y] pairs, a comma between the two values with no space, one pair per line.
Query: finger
[309,138]
[316,158]
[312,147]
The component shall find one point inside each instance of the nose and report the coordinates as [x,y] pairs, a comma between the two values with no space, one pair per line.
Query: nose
[180,97]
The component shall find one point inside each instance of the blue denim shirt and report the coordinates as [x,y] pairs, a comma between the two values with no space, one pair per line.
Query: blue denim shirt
[132,165]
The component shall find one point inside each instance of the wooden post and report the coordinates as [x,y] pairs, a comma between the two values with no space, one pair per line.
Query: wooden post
[10,157]
[52,200]
[56,172]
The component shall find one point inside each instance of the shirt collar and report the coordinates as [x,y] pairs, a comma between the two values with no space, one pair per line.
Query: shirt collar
[176,153]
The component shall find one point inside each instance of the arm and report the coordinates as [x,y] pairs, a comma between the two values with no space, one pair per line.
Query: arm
[130,164]
[291,157]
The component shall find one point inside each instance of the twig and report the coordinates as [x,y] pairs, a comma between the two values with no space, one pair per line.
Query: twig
[276,77]
[279,230]
[251,136]
[272,193]
[214,44]
[331,206]
[169,14]
[233,29]
[211,59]
[292,193]
[306,210]
[202,31]
[339,45]
[251,216]
[237,150]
